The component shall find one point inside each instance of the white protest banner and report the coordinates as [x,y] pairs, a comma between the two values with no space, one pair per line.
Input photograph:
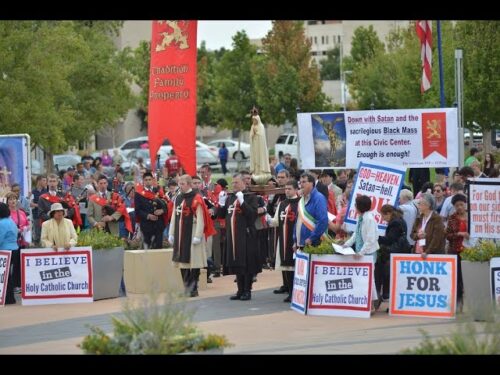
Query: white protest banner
[300,282]
[340,285]
[51,277]
[495,280]
[380,182]
[423,287]
[413,138]
[5,257]
[484,207]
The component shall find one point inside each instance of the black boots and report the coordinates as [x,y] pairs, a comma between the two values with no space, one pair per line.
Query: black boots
[244,287]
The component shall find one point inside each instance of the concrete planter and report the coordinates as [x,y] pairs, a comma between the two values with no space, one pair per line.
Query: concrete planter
[146,270]
[108,272]
[477,295]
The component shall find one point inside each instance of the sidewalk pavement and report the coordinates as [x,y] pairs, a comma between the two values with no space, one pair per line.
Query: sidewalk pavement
[263,325]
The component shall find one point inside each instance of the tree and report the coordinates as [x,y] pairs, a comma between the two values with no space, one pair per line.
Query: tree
[330,67]
[286,78]
[234,86]
[365,45]
[207,60]
[60,81]
[480,41]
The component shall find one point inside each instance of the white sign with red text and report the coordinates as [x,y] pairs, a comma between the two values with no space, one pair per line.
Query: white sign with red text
[300,282]
[5,257]
[51,277]
[413,138]
[382,184]
[484,207]
[340,285]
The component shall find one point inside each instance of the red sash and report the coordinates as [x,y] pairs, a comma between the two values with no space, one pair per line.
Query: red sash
[51,199]
[70,200]
[139,189]
[209,229]
[116,202]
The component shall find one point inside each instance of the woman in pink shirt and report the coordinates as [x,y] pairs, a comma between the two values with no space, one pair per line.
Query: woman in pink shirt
[19,217]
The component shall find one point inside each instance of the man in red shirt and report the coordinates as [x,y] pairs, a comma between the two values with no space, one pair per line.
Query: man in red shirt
[172,164]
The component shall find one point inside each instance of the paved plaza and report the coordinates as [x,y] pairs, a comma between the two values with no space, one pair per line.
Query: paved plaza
[264,325]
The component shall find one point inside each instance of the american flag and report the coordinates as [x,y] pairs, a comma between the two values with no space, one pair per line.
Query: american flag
[424,32]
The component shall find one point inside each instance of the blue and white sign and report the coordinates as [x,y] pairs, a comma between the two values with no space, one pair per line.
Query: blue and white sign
[382,183]
[423,287]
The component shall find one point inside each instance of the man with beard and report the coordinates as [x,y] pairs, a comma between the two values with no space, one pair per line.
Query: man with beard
[285,219]
[189,223]
[241,257]
[151,212]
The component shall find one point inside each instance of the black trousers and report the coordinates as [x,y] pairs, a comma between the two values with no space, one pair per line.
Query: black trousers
[244,282]
[190,277]
[14,264]
[153,237]
[288,281]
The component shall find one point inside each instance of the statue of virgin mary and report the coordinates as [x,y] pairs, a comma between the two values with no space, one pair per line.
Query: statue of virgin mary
[259,153]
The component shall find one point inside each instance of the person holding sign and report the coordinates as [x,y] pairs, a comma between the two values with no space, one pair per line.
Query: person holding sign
[365,237]
[456,233]
[8,241]
[58,232]
[428,230]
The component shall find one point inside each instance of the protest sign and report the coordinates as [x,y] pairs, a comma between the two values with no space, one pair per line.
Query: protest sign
[484,207]
[382,184]
[5,257]
[495,280]
[413,138]
[50,277]
[340,285]
[423,287]
[300,282]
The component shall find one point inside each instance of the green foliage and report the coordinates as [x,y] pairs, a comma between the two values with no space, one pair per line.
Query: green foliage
[330,67]
[480,41]
[234,86]
[285,78]
[466,339]
[99,240]
[325,247]
[61,80]
[152,328]
[482,252]
[365,45]
[391,79]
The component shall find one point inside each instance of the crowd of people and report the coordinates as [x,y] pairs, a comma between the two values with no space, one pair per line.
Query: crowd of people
[239,232]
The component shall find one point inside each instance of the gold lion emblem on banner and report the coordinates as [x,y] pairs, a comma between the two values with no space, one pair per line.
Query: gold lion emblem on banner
[177,36]
[433,128]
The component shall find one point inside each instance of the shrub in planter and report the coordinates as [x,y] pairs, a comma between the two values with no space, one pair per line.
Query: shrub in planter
[99,240]
[476,277]
[483,251]
[324,248]
[152,328]
[107,262]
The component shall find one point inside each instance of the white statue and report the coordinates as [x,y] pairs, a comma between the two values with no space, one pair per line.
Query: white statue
[259,153]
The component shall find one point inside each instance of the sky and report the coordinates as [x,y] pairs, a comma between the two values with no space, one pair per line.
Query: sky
[219,34]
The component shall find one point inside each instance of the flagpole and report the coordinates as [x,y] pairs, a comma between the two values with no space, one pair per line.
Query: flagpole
[441,74]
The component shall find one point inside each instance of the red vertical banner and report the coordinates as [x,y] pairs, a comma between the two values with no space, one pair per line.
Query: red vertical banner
[424,32]
[434,134]
[172,90]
